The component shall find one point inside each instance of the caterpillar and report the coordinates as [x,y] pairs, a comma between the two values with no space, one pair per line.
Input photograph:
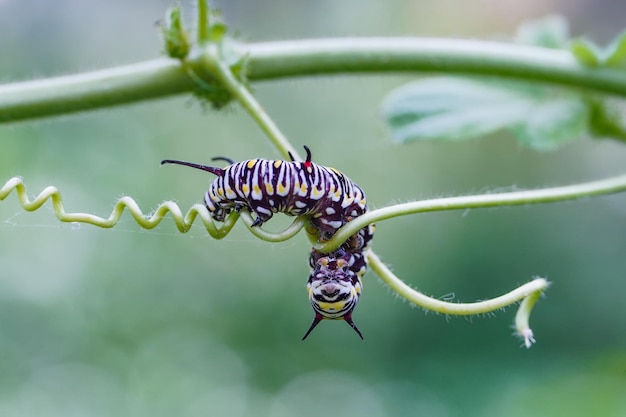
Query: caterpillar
[300,188]
[265,187]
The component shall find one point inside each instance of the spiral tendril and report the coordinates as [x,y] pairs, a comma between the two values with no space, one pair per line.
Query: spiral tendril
[183,223]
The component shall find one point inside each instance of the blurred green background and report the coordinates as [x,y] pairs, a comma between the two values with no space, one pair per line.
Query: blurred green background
[127,322]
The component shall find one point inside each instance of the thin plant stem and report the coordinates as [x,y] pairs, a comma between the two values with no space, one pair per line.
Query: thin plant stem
[446,307]
[275,237]
[546,195]
[203,21]
[529,293]
[249,103]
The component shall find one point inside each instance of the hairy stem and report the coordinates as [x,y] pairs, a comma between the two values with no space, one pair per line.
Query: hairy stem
[300,58]
[523,315]
[547,195]
[529,293]
[445,307]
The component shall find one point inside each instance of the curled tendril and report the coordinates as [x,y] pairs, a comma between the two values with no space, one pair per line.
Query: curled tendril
[183,223]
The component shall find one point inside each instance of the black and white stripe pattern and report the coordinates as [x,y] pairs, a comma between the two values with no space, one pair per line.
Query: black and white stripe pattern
[266,187]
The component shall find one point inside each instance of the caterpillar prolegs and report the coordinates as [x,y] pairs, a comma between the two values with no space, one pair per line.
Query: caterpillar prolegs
[301,188]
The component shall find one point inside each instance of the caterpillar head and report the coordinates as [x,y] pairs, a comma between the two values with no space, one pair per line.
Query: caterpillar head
[333,291]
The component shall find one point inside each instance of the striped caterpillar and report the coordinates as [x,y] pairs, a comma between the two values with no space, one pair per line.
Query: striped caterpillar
[300,188]
[265,187]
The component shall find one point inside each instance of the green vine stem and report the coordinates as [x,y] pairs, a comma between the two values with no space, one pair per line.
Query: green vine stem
[529,293]
[270,60]
[203,23]
[546,195]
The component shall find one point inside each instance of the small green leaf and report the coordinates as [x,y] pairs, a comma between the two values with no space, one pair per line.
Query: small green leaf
[549,32]
[218,98]
[176,39]
[217,27]
[586,52]
[616,52]
[554,123]
[240,70]
[607,118]
[452,109]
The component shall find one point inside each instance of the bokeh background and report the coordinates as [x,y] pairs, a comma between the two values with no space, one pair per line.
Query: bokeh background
[127,322]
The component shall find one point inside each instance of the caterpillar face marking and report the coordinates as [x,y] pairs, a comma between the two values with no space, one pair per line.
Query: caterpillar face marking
[334,290]
[342,271]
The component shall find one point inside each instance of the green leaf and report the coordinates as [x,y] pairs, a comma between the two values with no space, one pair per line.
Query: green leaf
[549,32]
[217,27]
[616,52]
[607,118]
[455,109]
[452,109]
[553,123]
[177,44]
[586,52]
